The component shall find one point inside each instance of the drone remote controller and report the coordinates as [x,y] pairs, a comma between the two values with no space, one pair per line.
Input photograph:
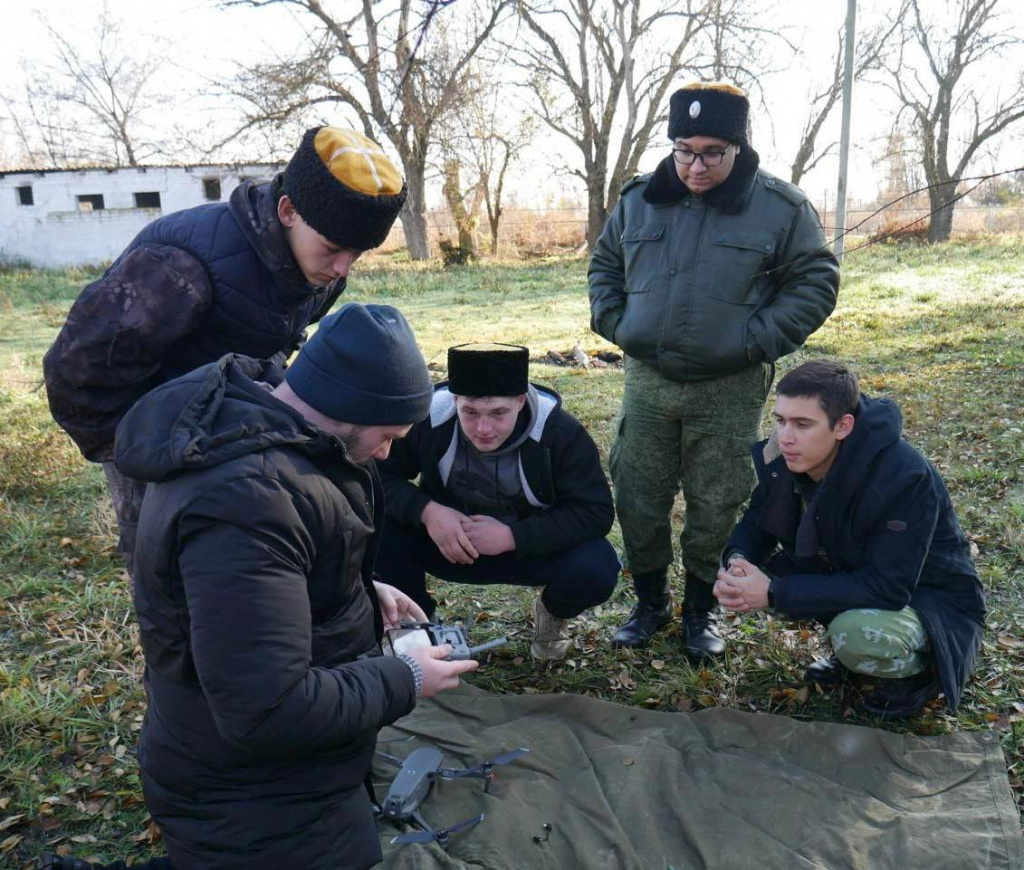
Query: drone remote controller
[412,634]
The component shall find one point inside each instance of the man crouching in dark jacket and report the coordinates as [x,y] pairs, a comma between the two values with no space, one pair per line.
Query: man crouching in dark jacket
[850,526]
[259,619]
[511,490]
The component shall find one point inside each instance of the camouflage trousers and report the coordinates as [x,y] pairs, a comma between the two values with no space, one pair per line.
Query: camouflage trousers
[695,437]
[888,644]
[126,493]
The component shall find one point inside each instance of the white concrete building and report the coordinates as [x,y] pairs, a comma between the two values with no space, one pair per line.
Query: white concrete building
[72,217]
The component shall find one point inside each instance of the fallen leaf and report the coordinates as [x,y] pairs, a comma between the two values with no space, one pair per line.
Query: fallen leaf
[10,843]
[11,821]
[628,762]
[658,664]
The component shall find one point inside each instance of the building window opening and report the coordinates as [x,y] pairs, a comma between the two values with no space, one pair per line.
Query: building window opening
[211,189]
[90,202]
[150,199]
[25,195]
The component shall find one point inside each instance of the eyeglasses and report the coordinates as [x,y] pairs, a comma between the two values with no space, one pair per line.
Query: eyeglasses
[686,157]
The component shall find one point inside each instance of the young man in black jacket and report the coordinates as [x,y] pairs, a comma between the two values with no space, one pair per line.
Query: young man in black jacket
[246,276]
[511,490]
[850,526]
[259,617]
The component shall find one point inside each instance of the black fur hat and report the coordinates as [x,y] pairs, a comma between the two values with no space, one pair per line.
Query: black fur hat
[343,185]
[709,109]
[488,370]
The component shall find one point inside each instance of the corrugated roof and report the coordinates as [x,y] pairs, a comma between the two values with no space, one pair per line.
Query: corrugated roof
[142,169]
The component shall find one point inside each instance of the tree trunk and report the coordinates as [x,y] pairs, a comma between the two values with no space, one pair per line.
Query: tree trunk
[493,221]
[941,224]
[414,221]
[597,213]
[464,221]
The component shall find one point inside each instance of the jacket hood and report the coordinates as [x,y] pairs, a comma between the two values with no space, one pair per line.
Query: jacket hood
[879,425]
[211,415]
[254,207]
[666,188]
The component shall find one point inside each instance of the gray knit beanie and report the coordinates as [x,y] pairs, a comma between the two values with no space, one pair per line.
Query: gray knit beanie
[363,366]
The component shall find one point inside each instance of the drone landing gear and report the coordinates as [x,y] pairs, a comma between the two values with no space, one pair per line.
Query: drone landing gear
[440,836]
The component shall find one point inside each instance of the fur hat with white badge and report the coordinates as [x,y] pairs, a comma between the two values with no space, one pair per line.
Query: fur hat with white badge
[715,109]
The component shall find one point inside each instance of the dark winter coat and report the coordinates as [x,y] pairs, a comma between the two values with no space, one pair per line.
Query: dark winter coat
[259,625]
[883,530]
[191,287]
[703,286]
[570,501]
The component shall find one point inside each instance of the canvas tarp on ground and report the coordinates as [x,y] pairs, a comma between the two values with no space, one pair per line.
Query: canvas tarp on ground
[645,790]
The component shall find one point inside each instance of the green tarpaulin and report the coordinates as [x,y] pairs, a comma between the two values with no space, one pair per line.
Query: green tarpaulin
[629,788]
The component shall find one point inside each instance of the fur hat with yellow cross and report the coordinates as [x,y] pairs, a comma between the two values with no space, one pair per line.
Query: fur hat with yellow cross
[344,187]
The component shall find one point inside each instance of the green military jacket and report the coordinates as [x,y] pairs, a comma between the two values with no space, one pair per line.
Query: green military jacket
[701,286]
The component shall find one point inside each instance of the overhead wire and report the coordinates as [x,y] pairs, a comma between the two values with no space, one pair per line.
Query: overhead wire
[979,179]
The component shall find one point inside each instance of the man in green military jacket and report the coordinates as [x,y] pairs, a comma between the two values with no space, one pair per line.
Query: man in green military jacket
[708,271]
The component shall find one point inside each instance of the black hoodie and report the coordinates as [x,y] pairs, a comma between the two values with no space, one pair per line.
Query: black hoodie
[885,523]
[259,624]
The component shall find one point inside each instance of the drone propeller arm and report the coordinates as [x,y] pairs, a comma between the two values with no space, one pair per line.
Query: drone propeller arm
[390,759]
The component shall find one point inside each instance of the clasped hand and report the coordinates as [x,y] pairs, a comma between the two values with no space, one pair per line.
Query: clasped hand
[742,586]
[463,539]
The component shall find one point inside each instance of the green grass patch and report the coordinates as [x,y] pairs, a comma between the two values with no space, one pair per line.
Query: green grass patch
[938,328]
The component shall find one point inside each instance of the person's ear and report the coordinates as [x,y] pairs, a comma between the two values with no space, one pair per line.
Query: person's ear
[521,402]
[844,426]
[286,212]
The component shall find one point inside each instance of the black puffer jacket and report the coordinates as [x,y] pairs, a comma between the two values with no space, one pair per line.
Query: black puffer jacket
[259,625]
[884,522]
[191,287]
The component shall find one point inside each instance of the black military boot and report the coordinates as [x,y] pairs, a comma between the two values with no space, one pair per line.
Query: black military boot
[901,698]
[825,672]
[702,640]
[652,612]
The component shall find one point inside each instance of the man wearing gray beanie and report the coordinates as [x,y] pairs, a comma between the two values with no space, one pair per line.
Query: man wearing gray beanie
[258,614]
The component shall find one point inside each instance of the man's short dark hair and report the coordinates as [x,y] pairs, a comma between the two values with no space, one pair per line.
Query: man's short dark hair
[834,385]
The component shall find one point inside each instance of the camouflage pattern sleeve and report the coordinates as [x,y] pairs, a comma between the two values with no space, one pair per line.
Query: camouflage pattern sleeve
[110,350]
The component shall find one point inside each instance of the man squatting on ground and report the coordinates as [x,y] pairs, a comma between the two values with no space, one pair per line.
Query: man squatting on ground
[708,271]
[259,619]
[510,490]
[246,276]
[850,526]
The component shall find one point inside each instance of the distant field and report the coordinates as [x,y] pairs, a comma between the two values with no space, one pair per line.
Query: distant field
[940,329]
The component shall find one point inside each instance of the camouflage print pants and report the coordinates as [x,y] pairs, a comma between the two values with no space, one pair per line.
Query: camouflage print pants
[882,643]
[693,436]
[126,493]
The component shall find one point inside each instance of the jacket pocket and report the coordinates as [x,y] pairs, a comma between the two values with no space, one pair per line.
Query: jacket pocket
[642,253]
[740,258]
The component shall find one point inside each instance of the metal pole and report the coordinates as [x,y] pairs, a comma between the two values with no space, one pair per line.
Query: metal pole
[844,139]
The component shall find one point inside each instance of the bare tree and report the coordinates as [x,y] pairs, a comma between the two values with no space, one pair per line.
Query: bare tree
[88,103]
[494,150]
[823,99]
[380,60]
[484,137]
[600,71]
[937,77]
